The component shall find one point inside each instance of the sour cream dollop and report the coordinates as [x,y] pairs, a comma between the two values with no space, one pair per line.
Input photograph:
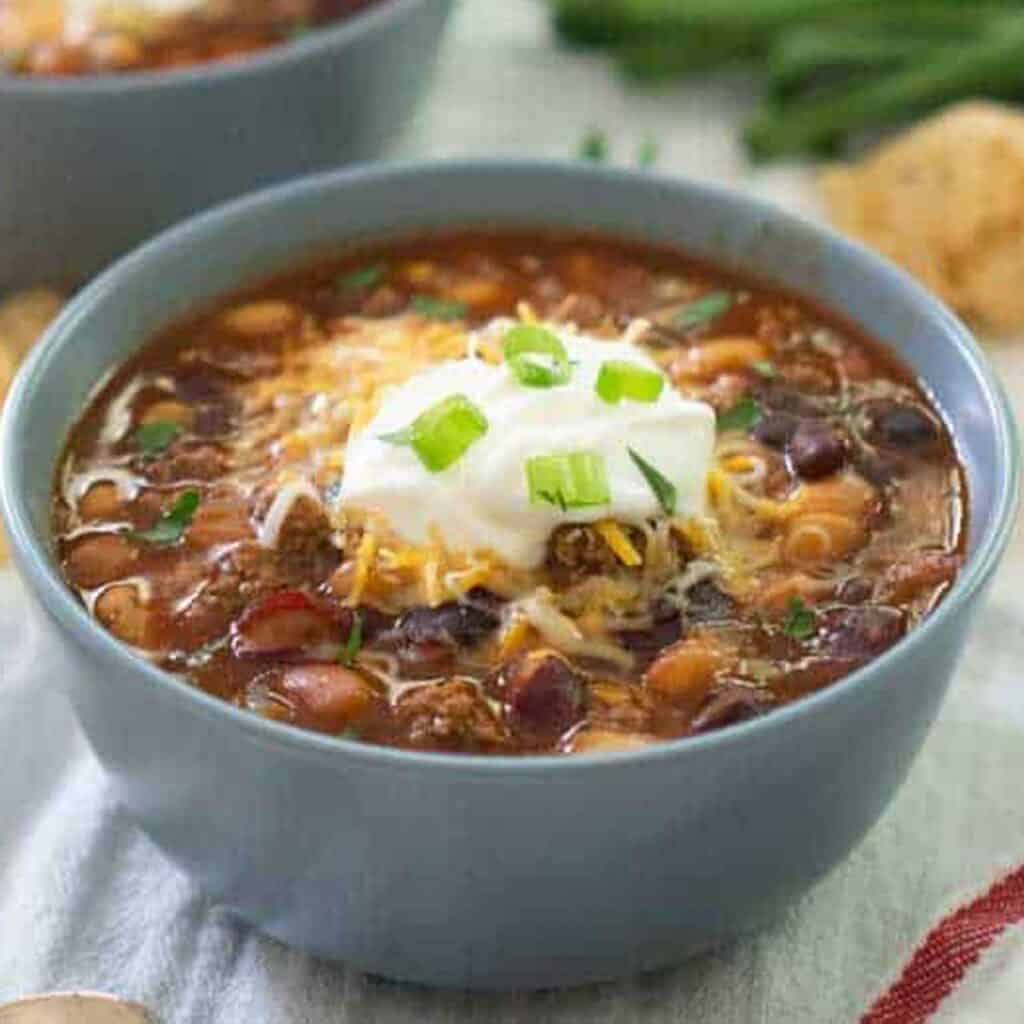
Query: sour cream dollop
[483,500]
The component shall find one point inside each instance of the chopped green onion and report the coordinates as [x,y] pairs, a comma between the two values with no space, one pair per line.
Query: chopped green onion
[765,368]
[703,310]
[569,480]
[617,380]
[745,414]
[362,279]
[354,644]
[153,439]
[173,523]
[800,622]
[647,154]
[438,309]
[593,146]
[663,488]
[441,435]
[524,344]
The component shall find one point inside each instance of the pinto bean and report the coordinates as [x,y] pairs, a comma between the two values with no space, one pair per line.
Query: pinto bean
[102,502]
[220,522]
[204,462]
[169,411]
[592,740]
[101,559]
[685,673]
[122,610]
[330,698]
[543,691]
[262,318]
[734,702]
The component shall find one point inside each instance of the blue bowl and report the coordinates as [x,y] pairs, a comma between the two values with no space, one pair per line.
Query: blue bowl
[494,872]
[92,166]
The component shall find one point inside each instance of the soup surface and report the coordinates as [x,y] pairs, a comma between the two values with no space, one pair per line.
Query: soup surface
[511,493]
[86,37]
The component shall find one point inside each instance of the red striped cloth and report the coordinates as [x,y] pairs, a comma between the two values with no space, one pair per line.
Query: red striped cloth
[952,948]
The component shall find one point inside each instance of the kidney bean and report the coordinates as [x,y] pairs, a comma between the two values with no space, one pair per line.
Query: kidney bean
[816,450]
[777,396]
[543,692]
[287,623]
[861,633]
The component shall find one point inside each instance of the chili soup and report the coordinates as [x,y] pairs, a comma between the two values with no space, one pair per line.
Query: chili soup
[91,37]
[511,493]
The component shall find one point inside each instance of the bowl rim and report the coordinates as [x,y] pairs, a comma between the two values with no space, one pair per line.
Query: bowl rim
[41,574]
[376,17]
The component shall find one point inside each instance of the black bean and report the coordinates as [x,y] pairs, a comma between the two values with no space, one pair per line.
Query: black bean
[427,639]
[775,429]
[779,397]
[816,450]
[648,643]
[898,425]
[707,602]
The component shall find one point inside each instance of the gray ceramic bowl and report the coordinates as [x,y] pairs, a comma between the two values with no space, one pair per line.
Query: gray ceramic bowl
[91,166]
[498,872]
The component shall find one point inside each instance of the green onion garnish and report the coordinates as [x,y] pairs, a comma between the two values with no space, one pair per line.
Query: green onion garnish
[173,523]
[155,438]
[593,146]
[765,368]
[663,488]
[569,480]
[362,279]
[647,154]
[617,380]
[800,622]
[438,309]
[703,310]
[441,435]
[745,414]
[527,350]
[354,644]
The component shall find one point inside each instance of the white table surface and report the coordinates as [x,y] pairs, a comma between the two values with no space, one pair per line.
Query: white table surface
[86,902]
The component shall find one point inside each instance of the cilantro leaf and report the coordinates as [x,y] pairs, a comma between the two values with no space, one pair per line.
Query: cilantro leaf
[593,146]
[354,644]
[745,414]
[172,524]
[663,488]
[703,310]
[438,309]
[800,623]
[362,279]
[155,438]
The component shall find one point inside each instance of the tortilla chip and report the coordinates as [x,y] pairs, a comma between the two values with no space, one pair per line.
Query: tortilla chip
[946,201]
